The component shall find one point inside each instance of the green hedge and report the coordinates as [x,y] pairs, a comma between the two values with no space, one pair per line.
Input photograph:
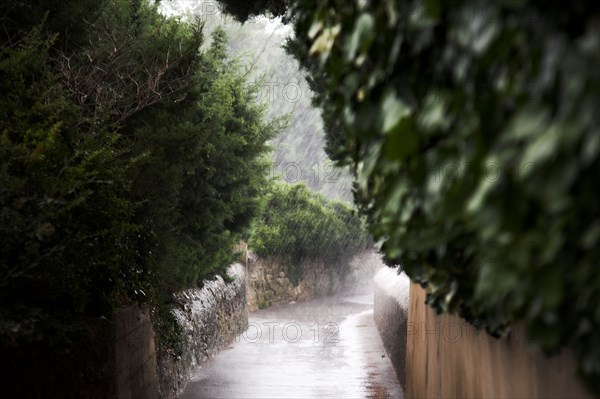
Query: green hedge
[298,225]
[473,128]
[131,160]
[65,218]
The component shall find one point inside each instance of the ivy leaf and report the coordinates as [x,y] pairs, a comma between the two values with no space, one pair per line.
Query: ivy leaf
[393,110]
[362,36]
[324,42]
[402,140]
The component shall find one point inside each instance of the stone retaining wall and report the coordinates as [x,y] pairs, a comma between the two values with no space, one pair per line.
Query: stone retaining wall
[211,318]
[269,283]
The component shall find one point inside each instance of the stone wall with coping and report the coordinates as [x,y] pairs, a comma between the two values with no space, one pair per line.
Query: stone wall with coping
[211,317]
[391,301]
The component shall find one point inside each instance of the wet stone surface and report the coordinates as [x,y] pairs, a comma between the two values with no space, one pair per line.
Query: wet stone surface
[326,348]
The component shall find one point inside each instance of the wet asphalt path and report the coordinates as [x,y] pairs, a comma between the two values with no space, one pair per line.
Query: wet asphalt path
[326,348]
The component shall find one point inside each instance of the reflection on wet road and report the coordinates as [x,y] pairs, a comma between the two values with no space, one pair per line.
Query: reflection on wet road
[327,348]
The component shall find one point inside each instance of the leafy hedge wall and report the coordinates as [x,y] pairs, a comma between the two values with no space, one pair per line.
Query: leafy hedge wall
[297,225]
[473,129]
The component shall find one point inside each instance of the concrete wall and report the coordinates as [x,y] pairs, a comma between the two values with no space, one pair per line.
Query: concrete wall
[135,354]
[447,358]
[211,318]
[391,292]
[86,371]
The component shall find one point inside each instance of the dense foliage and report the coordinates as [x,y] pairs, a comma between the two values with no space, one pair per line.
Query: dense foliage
[206,171]
[65,218]
[473,131]
[241,10]
[298,225]
[130,161]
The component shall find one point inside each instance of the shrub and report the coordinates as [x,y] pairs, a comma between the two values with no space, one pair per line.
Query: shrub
[66,235]
[297,225]
[130,162]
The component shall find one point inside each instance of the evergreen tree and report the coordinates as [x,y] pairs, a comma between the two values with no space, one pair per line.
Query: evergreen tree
[130,162]
[66,222]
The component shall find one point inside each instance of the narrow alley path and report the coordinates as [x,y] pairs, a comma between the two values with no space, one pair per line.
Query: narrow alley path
[326,348]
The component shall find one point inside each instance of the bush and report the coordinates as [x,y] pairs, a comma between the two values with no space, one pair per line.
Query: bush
[66,224]
[203,171]
[298,225]
[131,160]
